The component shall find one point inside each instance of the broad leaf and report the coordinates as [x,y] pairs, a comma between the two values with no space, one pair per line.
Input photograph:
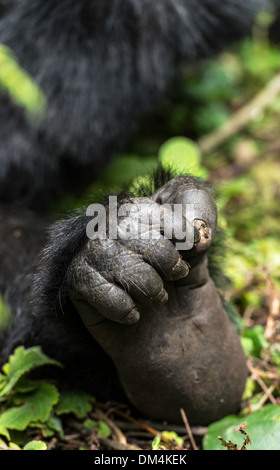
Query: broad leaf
[51,427]
[183,156]
[104,429]
[257,339]
[76,402]
[4,432]
[35,445]
[21,362]
[35,407]
[263,427]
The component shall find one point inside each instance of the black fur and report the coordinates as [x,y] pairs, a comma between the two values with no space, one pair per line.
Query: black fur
[101,66]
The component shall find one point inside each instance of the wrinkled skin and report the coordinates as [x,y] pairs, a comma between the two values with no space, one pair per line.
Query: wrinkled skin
[157,314]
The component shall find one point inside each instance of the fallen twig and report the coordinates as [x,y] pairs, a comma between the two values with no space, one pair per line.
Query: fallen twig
[256,376]
[119,436]
[188,428]
[196,430]
[264,398]
[142,425]
[242,117]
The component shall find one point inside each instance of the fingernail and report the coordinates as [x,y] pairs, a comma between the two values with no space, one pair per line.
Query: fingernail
[162,297]
[132,317]
[181,269]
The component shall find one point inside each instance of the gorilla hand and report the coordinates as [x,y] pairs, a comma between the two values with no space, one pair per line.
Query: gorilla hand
[155,311]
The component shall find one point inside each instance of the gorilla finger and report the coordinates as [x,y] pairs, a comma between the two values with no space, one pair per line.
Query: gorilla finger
[149,230]
[88,286]
[143,282]
[126,268]
[161,254]
[198,204]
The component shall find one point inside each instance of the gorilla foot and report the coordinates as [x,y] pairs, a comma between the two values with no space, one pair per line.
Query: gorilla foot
[155,310]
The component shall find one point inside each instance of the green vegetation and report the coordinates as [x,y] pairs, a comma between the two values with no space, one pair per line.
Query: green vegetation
[18,84]
[28,404]
[262,427]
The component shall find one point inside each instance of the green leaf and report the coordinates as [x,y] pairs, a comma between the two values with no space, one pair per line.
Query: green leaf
[74,401]
[35,407]
[4,432]
[263,427]
[258,340]
[156,443]
[89,423]
[249,388]
[104,429]
[183,156]
[20,86]
[14,446]
[26,386]
[247,345]
[51,427]
[54,424]
[172,436]
[35,445]
[21,362]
